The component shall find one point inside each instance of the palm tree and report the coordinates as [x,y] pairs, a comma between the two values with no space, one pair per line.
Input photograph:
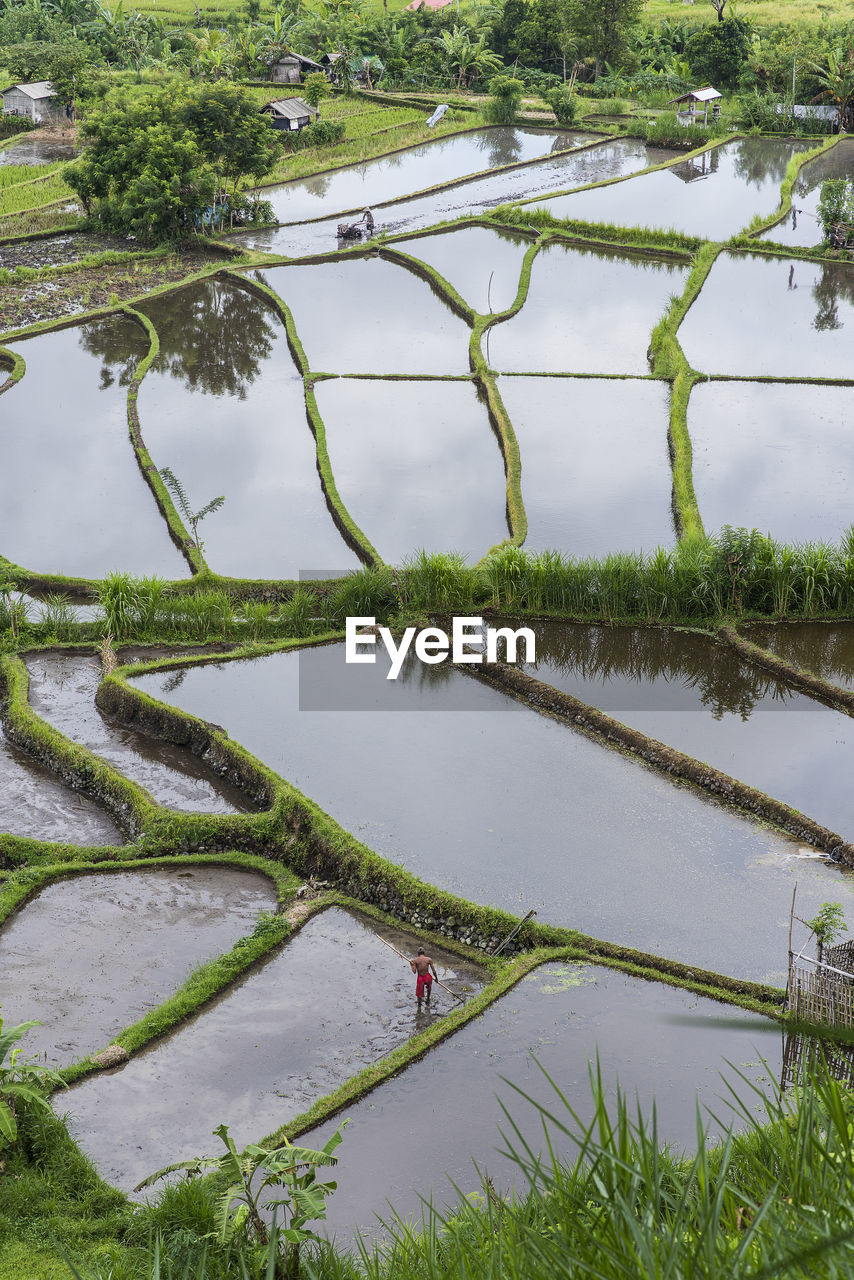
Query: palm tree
[468,58]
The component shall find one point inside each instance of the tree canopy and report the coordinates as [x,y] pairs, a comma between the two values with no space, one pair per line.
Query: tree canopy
[150,166]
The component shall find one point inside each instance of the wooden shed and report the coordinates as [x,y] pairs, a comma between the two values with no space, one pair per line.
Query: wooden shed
[290,113]
[292,67]
[695,98]
[37,100]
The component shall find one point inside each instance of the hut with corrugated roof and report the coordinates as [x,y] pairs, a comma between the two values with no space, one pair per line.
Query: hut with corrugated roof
[695,98]
[290,113]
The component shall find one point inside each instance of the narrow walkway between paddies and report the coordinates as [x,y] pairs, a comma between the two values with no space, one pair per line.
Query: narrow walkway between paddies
[223,407]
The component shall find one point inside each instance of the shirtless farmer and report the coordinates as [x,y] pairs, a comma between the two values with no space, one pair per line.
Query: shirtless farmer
[421,966]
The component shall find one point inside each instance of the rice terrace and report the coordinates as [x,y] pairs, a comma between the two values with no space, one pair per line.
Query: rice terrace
[426,640]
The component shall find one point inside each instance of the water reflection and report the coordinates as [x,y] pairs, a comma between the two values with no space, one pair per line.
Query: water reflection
[704,700]
[110,344]
[758,160]
[788,321]
[806,1059]
[825,648]
[214,337]
[801,226]
[835,285]
[611,666]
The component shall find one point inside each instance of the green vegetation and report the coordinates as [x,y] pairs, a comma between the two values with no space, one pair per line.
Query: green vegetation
[836,207]
[190,517]
[505,95]
[21,1081]
[299,1197]
[152,168]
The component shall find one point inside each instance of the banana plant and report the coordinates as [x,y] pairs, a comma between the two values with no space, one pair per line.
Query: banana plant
[252,1174]
[20,1080]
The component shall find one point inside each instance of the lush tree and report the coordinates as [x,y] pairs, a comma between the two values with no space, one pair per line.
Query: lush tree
[604,27]
[719,54]
[563,103]
[61,62]
[836,206]
[152,165]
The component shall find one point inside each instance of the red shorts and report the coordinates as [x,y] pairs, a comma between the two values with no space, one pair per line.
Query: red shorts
[424,980]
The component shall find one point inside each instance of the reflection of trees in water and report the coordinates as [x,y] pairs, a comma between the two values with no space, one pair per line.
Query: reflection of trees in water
[755,160]
[836,163]
[826,650]
[723,684]
[502,146]
[119,343]
[214,337]
[834,285]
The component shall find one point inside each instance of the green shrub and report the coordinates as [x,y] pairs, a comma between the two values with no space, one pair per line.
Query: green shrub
[12,125]
[563,103]
[505,95]
[321,133]
[836,204]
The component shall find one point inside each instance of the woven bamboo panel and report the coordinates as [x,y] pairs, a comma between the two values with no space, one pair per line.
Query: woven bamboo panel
[815,995]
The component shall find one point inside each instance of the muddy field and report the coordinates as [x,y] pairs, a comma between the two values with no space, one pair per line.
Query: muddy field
[77,291]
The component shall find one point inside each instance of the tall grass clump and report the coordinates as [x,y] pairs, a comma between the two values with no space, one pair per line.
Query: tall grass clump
[297,613]
[441,581]
[366,593]
[118,597]
[58,617]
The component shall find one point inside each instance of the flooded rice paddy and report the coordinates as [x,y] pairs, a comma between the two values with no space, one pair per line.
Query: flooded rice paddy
[342,310]
[492,801]
[704,699]
[825,648]
[794,319]
[72,497]
[331,1001]
[714,195]
[392,176]
[775,457]
[417,464]
[801,225]
[223,406]
[34,803]
[62,692]
[595,463]
[484,266]
[89,955]
[409,1139]
[610,159]
[616,301]
[36,151]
